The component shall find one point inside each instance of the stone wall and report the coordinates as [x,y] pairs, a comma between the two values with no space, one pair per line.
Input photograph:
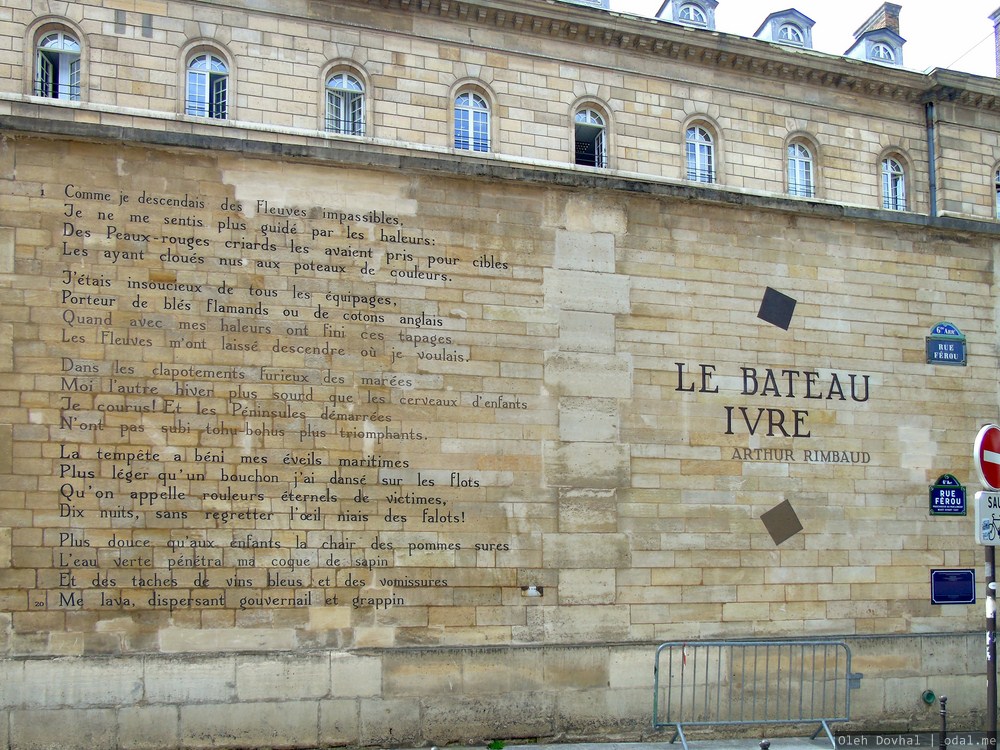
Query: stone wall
[314,440]
[400,697]
[625,400]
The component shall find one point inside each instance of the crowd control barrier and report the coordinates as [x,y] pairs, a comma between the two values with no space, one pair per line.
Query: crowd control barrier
[728,683]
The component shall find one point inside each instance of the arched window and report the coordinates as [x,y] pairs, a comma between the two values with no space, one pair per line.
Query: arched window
[893,185]
[57,66]
[882,53]
[996,187]
[789,33]
[472,122]
[692,14]
[345,105]
[591,144]
[207,87]
[800,171]
[700,150]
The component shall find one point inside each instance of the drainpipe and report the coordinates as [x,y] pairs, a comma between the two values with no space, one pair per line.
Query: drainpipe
[931,157]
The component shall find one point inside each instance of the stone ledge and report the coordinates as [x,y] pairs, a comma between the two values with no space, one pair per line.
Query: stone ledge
[250,142]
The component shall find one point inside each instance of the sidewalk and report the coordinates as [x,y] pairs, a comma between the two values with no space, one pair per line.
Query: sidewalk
[738,743]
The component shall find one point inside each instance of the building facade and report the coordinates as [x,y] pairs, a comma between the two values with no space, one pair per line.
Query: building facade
[390,373]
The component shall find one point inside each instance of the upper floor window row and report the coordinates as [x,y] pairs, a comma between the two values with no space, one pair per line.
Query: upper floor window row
[57,75]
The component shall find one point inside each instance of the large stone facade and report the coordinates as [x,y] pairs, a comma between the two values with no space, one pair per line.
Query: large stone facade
[312,439]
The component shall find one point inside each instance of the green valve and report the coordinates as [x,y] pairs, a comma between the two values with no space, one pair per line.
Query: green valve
[928,696]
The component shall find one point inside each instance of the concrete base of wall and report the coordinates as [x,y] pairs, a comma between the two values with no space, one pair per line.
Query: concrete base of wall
[421,697]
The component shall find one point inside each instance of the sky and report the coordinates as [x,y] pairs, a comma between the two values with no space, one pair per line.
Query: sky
[956,34]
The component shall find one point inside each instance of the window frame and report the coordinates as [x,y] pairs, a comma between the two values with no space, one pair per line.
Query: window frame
[692,9]
[996,189]
[472,121]
[595,121]
[800,169]
[700,154]
[213,99]
[790,33]
[882,52]
[893,178]
[348,96]
[61,60]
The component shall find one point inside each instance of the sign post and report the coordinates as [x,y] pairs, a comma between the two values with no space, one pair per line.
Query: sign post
[986,457]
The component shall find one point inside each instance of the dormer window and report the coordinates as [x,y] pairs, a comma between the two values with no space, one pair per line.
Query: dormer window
[882,53]
[787,27]
[691,13]
[699,13]
[878,40]
[789,33]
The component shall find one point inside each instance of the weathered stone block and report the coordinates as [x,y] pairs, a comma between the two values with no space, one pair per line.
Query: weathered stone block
[586,465]
[586,550]
[352,675]
[190,679]
[66,729]
[81,683]
[586,332]
[585,251]
[396,721]
[255,724]
[148,727]
[292,677]
[587,586]
[588,419]
[586,291]
[585,374]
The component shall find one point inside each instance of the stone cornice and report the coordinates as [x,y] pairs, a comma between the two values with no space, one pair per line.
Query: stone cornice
[654,38]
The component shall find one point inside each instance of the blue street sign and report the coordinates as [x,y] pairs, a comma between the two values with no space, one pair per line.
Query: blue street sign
[946,345]
[947,497]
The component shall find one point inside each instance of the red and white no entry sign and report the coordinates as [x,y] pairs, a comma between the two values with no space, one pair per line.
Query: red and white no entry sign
[986,456]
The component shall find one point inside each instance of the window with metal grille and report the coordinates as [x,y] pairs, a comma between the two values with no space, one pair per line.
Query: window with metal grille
[345,105]
[207,87]
[800,171]
[996,187]
[472,122]
[700,151]
[57,67]
[893,185]
[591,149]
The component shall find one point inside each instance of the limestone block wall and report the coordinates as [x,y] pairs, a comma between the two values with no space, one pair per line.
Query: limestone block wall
[308,433]
[415,697]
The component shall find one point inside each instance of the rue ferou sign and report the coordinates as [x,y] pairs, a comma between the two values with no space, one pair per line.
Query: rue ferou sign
[947,497]
[946,345]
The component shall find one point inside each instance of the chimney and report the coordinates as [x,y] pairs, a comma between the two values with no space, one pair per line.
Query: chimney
[995,18]
[886,17]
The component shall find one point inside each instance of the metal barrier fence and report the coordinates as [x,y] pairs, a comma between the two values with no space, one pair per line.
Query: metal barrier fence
[720,683]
